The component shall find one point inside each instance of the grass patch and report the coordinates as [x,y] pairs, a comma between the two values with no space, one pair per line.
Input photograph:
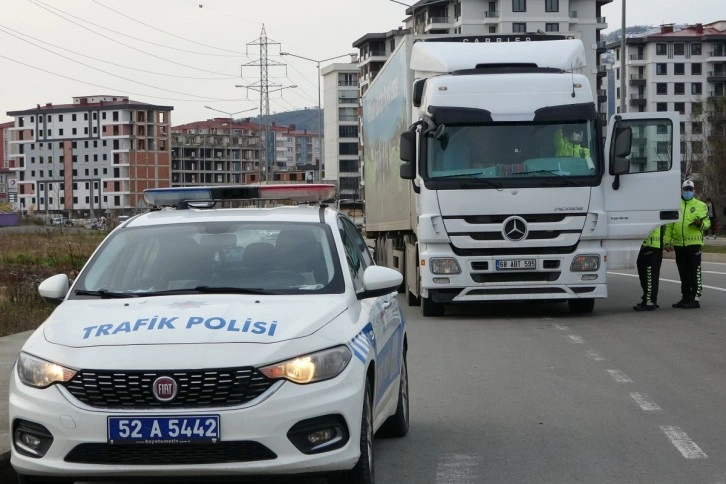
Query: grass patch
[27,258]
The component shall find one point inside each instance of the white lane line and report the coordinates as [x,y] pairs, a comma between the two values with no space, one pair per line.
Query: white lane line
[619,376]
[576,339]
[722,289]
[561,327]
[595,355]
[456,469]
[688,448]
[644,402]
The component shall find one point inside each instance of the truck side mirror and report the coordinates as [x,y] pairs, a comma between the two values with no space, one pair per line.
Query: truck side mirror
[407,153]
[622,143]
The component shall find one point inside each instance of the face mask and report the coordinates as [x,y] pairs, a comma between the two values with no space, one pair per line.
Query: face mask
[687,194]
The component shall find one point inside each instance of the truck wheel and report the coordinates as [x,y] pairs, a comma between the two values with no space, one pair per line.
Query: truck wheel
[580,306]
[431,308]
[397,424]
[411,299]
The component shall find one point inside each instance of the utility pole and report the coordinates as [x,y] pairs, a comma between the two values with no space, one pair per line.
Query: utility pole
[623,50]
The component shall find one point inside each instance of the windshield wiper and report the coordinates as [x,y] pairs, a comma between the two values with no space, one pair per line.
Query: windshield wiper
[105,294]
[233,290]
[546,172]
[481,181]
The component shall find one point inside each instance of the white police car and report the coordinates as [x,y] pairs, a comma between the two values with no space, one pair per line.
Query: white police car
[215,342]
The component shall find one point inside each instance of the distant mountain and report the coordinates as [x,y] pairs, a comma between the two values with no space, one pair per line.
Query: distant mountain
[303,119]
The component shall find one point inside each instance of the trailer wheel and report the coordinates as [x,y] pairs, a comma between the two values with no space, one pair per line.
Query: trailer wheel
[580,306]
[411,299]
[431,308]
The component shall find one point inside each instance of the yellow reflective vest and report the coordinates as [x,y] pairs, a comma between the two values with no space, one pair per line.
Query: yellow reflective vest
[684,232]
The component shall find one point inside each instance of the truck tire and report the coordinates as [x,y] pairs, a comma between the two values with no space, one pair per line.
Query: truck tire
[412,300]
[581,306]
[431,308]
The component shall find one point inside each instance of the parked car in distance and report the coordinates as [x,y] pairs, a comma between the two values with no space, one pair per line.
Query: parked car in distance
[61,221]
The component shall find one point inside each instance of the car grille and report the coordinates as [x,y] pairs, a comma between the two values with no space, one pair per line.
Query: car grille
[169,454]
[196,388]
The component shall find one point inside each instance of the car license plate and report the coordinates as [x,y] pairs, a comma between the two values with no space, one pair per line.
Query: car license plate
[514,264]
[163,430]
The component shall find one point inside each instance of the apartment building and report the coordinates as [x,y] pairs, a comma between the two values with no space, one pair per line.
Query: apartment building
[222,151]
[97,154]
[678,69]
[341,148]
[7,178]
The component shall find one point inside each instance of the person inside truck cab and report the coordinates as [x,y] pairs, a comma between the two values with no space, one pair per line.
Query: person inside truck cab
[569,142]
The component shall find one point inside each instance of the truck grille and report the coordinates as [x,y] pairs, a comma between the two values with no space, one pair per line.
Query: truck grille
[169,454]
[196,388]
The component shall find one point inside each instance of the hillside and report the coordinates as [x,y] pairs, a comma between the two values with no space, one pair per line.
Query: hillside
[303,119]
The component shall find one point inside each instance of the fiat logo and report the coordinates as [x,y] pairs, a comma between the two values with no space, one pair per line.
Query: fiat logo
[515,229]
[164,389]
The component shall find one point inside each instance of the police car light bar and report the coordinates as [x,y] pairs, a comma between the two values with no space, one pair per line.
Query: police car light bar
[299,192]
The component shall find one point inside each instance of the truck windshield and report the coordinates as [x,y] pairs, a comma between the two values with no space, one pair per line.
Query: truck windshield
[505,150]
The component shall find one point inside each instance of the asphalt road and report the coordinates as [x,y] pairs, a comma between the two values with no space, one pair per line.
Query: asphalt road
[523,393]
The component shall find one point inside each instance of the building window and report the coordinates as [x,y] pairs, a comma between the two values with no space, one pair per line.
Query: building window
[661,147]
[661,48]
[697,127]
[60,118]
[60,132]
[679,69]
[696,88]
[73,117]
[661,107]
[519,27]
[492,29]
[697,147]
[661,88]
[661,69]
[696,109]
[552,6]
[679,48]
[696,48]
[696,69]
[552,27]
[680,107]
[519,6]
[679,88]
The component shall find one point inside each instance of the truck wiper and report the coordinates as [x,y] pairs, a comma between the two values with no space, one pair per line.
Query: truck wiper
[105,294]
[546,172]
[481,181]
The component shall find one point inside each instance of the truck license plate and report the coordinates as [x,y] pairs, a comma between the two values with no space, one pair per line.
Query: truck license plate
[514,264]
[163,430]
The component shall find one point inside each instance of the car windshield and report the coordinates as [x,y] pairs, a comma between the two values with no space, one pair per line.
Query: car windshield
[213,257]
[505,150]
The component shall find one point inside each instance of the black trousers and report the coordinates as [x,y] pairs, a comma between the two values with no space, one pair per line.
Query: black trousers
[648,263]
[688,260]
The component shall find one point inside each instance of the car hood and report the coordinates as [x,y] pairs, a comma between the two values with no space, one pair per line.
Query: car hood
[188,319]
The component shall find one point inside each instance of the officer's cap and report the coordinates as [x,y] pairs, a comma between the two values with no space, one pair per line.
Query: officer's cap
[687,184]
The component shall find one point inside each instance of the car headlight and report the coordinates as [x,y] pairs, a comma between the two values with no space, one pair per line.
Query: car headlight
[585,263]
[444,265]
[39,373]
[310,368]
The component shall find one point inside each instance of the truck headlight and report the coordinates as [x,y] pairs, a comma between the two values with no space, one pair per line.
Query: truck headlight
[585,263]
[310,368]
[39,373]
[444,265]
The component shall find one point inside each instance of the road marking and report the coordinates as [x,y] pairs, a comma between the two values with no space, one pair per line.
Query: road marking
[561,327]
[688,448]
[644,402]
[619,376]
[576,339]
[456,469]
[595,355]
[722,289]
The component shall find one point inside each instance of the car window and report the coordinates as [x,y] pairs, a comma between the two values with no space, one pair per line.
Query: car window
[358,240]
[353,256]
[274,257]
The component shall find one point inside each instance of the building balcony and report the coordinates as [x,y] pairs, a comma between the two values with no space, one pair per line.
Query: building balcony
[602,95]
[573,15]
[637,58]
[717,55]
[637,80]
[434,23]
[714,96]
[603,117]
[601,71]
[600,47]
[601,23]
[716,76]
[491,16]
[638,100]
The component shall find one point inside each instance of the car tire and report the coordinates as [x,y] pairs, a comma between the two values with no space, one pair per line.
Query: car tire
[362,473]
[581,306]
[431,308]
[24,479]
[397,424]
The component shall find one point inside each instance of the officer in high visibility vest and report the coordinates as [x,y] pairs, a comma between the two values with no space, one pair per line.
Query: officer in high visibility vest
[648,263]
[568,142]
[686,237]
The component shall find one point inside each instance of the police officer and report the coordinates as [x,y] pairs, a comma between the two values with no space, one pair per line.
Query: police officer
[568,142]
[648,263]
[686,237]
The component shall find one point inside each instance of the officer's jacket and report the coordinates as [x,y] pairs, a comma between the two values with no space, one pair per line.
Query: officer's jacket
[563,147]
[653,240]
[683,232]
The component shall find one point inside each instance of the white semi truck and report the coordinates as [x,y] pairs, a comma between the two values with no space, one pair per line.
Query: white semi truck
[495,200]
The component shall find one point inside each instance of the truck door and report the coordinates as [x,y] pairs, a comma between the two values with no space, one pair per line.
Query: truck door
[641,185]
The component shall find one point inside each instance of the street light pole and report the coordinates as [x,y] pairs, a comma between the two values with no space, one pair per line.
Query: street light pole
[230,122]
[320,112]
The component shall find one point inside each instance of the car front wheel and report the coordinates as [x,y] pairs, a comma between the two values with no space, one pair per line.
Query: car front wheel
[397,424]
[362,473]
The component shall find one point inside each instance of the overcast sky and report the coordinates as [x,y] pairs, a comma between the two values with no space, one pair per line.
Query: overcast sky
[189,54]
